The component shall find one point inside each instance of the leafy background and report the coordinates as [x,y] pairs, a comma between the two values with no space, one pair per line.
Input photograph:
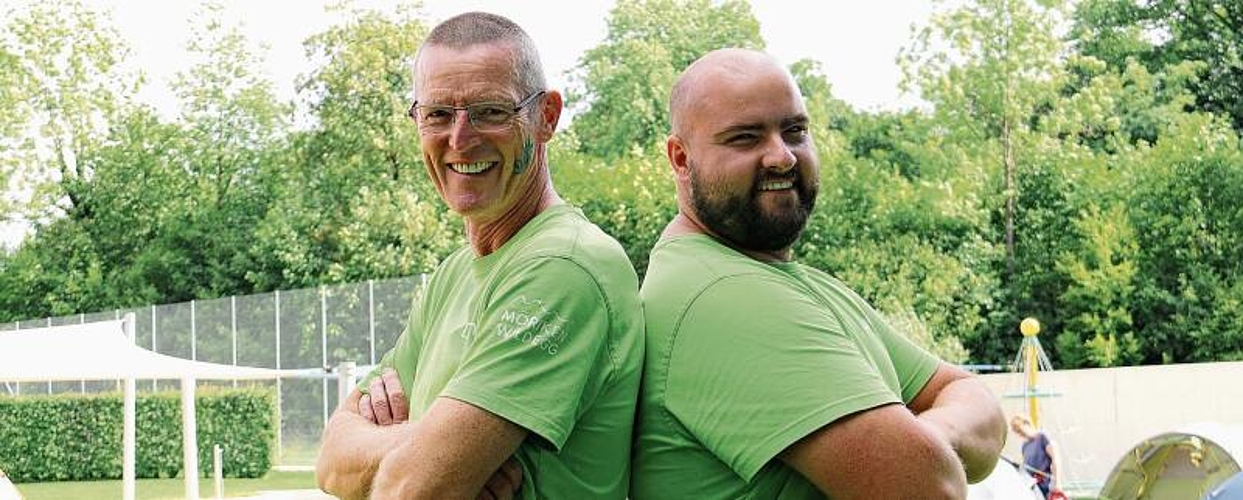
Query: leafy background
[1079,163]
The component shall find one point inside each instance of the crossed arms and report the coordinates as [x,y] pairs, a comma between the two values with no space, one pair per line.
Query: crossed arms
[456,450]
[950,433]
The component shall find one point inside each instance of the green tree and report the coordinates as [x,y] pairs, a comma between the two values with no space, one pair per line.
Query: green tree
[620,90]
[1186,200]
[233,130]
[1098,329]
[69,87]
[12,111]
[992,70]
[1162,33]
[357,163]
[996,69]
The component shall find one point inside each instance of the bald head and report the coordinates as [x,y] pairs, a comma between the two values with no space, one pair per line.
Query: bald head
[715,71]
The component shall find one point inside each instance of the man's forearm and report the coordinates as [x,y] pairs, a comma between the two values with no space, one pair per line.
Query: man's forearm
[450,453]
[351,452]
[971,419]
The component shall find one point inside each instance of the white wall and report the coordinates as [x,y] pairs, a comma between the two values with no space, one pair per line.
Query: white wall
[1101,413]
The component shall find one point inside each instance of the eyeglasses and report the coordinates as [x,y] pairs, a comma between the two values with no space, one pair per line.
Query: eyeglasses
[484,116]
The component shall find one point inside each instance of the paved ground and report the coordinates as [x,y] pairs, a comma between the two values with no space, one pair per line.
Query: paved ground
[292,495]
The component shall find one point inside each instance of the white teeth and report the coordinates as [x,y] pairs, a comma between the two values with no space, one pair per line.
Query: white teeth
[776,185]
[471,168]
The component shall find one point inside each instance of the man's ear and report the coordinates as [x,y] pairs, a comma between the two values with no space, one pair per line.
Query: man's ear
[675,150]
[550,112]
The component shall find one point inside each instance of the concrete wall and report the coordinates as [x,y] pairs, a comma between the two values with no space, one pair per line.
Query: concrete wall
[1102,413]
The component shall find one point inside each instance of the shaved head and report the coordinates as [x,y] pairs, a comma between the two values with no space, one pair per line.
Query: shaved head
[716,69]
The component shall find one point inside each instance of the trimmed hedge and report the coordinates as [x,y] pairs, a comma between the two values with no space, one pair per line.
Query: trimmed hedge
[69,437]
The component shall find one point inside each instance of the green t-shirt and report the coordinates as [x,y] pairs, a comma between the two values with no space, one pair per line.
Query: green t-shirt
[546,332]
[744,358]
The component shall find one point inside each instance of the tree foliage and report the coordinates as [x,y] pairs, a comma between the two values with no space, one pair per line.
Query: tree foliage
[1162,33]
[352,199]
[621,95]
[64,87]
[1089,179]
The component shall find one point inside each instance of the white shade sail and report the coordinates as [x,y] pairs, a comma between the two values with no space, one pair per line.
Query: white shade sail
[100,351]
[105,351]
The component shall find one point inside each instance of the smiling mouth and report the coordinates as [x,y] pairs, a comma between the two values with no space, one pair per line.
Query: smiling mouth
[776,185]
[472,168]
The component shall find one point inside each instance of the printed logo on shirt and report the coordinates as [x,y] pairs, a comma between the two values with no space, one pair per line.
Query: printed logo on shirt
[530,322]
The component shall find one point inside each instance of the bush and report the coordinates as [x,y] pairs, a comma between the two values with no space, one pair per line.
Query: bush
[69,437]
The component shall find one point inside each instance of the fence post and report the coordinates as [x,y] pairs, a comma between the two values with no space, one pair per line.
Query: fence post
[233,310]
[49,383]
[82,383]
[371,316]
[155,384]
[323,346]
[194,334]
[345,379]
[280,424]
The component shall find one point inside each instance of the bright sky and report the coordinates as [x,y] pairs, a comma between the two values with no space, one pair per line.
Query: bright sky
[856,42]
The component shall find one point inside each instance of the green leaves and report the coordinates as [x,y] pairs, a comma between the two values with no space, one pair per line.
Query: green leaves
[78,437]
[1206,32]
[1111,156]
[67,85]
[620,93]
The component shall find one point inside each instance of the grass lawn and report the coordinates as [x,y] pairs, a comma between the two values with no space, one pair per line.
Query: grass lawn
[166,489]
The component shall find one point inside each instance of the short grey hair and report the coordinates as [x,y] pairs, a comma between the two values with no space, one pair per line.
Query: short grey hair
[478,28]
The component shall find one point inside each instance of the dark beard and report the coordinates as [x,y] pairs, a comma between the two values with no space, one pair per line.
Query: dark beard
[739,219]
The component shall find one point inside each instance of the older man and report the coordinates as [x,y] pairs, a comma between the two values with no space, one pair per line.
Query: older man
[525,344]
[765,378]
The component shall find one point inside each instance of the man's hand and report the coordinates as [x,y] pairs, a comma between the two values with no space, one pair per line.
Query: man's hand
[503,483]
[386,403]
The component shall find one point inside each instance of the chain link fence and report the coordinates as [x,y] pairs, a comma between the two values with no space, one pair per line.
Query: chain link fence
[312,328]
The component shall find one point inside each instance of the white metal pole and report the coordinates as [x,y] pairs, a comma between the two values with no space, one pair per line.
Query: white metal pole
[217,467]
[280,428]
[371,316]
[82,383]
[194,334]
[233,304]
[189,439]
[323,345]
[345,380]
[128,434]
[49,383]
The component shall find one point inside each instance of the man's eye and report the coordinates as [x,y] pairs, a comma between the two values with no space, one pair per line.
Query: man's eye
[491,113]
[437,114]
[797,132]
[740,139]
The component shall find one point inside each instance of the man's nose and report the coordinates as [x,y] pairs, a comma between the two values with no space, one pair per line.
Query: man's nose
[462,134]
[779,156]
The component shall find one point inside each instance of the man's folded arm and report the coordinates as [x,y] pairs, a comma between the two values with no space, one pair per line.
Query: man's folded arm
[880,453]
[448,453]
[967,414]
[440,455]
[352,450]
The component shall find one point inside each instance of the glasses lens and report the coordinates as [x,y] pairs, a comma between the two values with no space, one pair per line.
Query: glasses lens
[490,115]
[434,116]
